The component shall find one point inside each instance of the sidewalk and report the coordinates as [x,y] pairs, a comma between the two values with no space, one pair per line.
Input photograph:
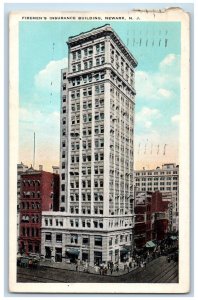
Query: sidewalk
[91,270]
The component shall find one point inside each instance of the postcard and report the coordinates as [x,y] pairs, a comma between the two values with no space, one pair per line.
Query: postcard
[99,152]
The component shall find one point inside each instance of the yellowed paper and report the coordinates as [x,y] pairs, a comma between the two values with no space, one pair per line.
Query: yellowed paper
[136,39]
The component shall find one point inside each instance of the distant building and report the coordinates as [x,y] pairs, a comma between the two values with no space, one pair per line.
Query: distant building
[39,192]
[151,218]
[55,169]
[165,180]
[160,216]
[20,169]
[97,128]
[143,226]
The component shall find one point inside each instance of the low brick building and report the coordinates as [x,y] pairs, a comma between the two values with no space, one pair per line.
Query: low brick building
[142,209]
[151,218]
[39,192]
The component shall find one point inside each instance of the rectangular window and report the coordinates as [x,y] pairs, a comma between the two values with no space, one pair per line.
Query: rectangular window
[98,241]
[59,237]
[85,240]
[89,117]
[84,184]
[101,156]
[74,238]
[48,237]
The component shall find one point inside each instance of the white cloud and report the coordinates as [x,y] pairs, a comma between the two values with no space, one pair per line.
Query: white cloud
[165,93]
[169,60]
[148,124]
[49,78]
[175,119]
[148,113]
[146,116]
[159,85]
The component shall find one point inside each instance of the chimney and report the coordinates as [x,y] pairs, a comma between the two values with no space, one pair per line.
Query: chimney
[55,169]
[40,167]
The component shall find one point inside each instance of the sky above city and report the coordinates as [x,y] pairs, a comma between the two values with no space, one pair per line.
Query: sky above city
[43,53]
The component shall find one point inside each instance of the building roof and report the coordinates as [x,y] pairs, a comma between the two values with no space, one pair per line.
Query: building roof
[71,37]
[105,29]
[163,168]
[150,244]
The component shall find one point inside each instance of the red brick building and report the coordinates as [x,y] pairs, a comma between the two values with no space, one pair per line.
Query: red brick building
[142,209]
[151,218]
[160,216]
[39,192]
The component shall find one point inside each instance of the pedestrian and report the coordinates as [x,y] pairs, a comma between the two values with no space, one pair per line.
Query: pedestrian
[76,267]
[96,268]
[30,264]
[111,270]
[117,268]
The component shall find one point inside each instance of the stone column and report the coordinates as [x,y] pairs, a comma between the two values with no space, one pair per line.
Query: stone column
[105,248]
[91,247]
[106,147]
[53,246]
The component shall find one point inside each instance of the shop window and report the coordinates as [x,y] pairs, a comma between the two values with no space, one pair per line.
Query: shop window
[98,241]
[59,238]
[48,237]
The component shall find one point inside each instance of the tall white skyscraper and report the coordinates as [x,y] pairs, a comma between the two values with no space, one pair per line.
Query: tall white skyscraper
[97,126]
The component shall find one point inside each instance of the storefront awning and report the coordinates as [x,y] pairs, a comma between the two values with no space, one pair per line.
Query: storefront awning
[150,244]
[124,251]
[73,251]
[173,238]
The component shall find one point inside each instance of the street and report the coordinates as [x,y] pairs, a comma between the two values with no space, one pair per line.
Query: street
[156,271]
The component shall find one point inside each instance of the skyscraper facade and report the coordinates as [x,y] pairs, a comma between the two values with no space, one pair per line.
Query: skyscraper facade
[96,169]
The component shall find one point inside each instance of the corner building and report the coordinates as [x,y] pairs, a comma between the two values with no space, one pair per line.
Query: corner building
[39,192]
[97,125]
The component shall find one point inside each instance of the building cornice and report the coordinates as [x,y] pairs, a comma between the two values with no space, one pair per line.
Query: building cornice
[105,30]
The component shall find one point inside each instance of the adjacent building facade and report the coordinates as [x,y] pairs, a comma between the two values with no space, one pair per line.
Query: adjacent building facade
[21,168]
[151,218]
[97,125]
[165,180]
[39,192]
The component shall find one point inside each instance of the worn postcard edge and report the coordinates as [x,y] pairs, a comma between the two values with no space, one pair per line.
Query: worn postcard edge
[171,14]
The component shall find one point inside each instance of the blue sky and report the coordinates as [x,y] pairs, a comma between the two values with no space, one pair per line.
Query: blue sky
[155,45]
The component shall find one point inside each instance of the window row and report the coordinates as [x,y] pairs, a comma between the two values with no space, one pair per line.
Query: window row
[29,231]
[32,205]
[159,189]
[156,178]
[88,117]
[30,219]
[86,197]
[31,183]
[157,173]
[88,51]
[74,238]
[97,170]
[156,183]
[99,143]
[88,64]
